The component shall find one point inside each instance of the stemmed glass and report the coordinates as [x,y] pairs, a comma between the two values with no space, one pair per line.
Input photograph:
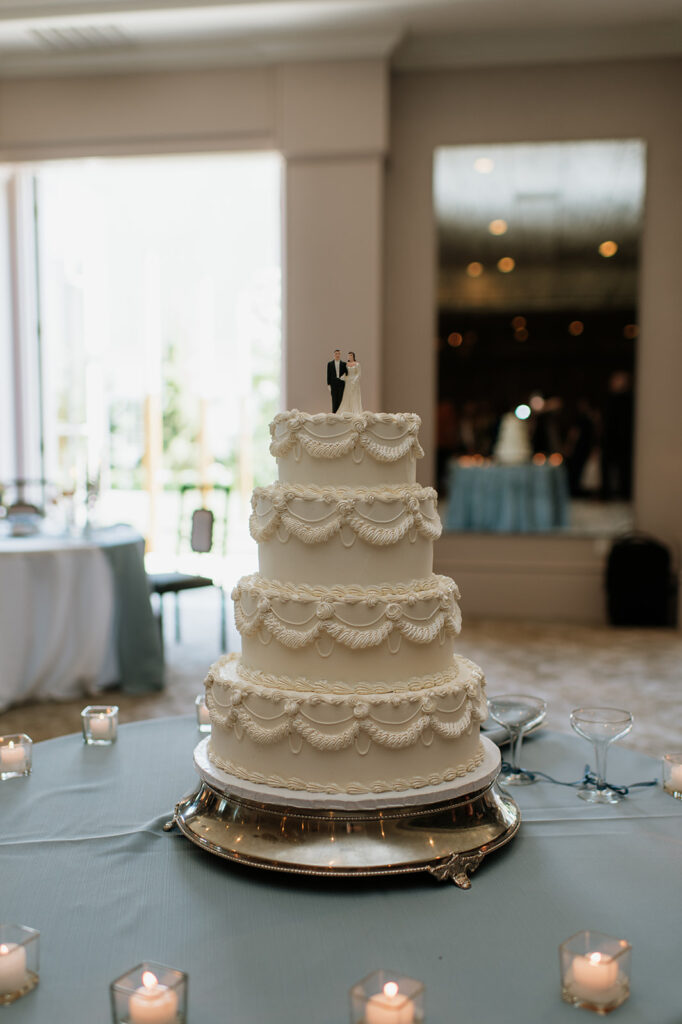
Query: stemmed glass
[518,713]
[601,726]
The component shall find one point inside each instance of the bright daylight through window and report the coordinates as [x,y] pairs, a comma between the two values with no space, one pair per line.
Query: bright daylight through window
[159,314]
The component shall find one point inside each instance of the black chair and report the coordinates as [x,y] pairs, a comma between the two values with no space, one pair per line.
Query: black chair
[198,538]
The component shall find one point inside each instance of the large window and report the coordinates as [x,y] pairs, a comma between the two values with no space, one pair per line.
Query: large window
[159,322]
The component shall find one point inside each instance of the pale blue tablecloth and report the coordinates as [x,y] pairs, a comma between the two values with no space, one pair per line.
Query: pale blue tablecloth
[84,859]
[507,499]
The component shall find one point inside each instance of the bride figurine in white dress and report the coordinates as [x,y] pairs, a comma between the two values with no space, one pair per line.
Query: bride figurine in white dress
[351,401]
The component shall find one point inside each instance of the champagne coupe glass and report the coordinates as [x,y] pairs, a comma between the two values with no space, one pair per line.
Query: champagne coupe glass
[518,713]
[601,726]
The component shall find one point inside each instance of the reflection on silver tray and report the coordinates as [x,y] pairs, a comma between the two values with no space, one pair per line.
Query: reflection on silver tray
[447,839]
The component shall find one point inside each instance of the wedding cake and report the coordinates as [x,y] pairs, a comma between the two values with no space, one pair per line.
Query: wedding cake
[513,444]
[348,681]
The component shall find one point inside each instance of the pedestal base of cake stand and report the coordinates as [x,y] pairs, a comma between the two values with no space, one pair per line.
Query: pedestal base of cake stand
[446,830]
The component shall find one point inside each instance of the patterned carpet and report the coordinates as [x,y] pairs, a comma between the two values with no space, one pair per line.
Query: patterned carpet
[567,665]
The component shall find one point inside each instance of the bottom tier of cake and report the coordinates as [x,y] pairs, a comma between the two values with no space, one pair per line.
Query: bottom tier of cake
[321,737]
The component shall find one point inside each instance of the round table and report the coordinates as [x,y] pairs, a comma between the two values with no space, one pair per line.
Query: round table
[507,499]
[85,860]
[75,616]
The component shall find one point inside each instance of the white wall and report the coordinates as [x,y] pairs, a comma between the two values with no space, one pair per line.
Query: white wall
[578,101]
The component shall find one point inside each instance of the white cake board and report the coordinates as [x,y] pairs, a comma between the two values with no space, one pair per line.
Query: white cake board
[473,782]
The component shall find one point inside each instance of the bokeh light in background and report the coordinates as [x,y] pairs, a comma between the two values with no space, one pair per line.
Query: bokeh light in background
[608,249]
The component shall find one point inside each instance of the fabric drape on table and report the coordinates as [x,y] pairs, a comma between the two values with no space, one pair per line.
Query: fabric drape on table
[507,499]
[140,654]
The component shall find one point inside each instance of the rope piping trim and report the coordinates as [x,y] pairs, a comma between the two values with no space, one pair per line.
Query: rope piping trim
[293,430]
[230,668]
[433,587]
[380,786]
[411,518]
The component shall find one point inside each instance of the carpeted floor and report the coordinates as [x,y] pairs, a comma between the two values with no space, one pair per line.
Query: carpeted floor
[568,666]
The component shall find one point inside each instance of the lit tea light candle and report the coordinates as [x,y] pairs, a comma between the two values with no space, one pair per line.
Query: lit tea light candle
[13,757]
[203,716]
[100,727]
[674,781]
[389,1007]
[595,976]
[153,1003]
[12,968]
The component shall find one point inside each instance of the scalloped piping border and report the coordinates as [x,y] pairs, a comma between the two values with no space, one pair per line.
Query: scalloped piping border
[380,786]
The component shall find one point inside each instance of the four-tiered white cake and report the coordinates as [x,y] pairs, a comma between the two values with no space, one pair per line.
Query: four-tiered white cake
[348,682]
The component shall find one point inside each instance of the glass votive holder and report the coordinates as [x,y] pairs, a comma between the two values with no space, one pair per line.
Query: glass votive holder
[19,948]
[595,971]
[149,994]
[100,724]
[203,718]
[386,997]
[16,756]
[671,774]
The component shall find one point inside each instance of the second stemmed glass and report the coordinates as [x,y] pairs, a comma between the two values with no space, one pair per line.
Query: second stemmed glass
[518,713]
[601,726]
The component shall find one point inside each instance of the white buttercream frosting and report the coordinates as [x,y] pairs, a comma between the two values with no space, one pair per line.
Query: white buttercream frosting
[348,681]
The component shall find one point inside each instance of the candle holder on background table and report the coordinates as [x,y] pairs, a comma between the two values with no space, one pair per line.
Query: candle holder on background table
[100,724]
[16,756]
[150,993]
[19,952]
[387,997]
[671,774]
[203,718]
[595,971]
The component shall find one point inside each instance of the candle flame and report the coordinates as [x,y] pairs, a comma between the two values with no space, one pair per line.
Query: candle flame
[11,744]
[390,990]
[149,980]
[598,958]
[3,949]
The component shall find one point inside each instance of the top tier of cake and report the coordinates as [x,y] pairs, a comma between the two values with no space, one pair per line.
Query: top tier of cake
[370,449]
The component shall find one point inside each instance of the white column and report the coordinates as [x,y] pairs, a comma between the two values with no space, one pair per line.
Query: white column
[333,134]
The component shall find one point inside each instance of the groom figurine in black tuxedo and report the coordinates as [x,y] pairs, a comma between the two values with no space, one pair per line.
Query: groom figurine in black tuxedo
[336,370]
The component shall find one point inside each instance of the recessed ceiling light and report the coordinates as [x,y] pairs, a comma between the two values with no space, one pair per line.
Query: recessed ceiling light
[498,227]
[484,165]
[475,269]
[506,265]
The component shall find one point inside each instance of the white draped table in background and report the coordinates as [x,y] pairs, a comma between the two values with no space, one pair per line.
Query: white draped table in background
[85,860]
[75,616]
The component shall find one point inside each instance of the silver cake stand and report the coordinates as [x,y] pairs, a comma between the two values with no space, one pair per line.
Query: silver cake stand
[444,830]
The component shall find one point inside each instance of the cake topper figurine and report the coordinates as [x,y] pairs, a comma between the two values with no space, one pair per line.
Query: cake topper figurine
[336,371]
[351,400]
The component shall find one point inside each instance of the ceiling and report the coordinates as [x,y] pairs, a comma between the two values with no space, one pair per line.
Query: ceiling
[46,37]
